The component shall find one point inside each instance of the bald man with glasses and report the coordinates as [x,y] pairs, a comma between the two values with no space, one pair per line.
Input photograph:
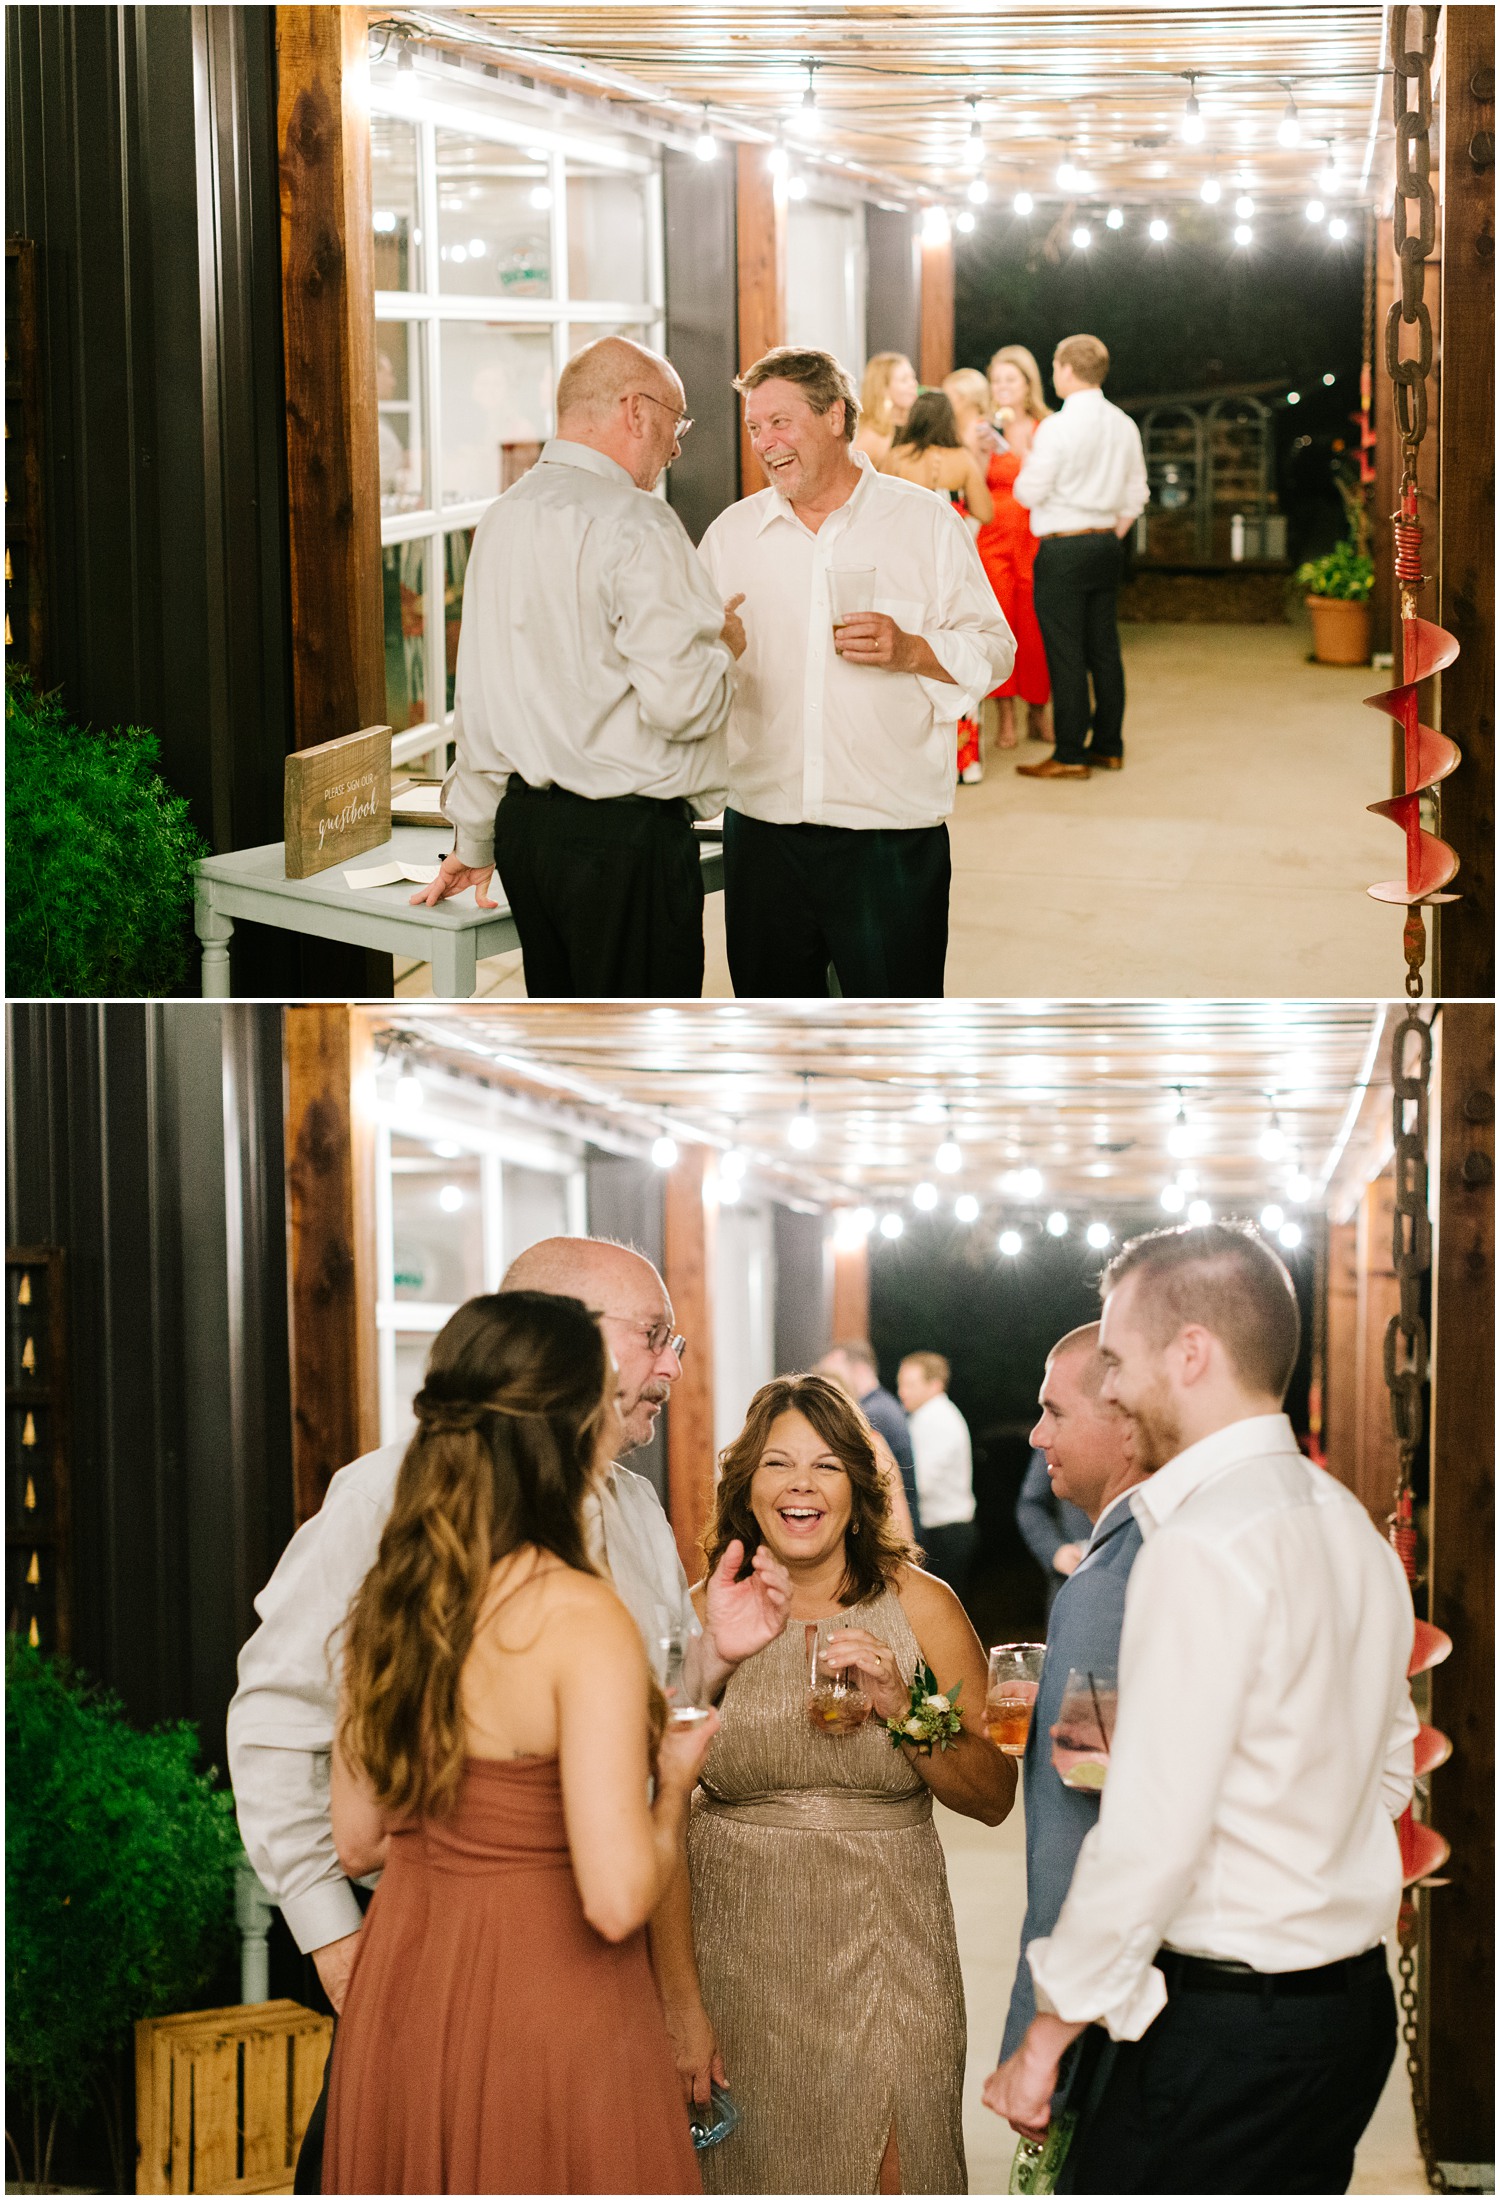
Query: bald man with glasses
[595,676]
[281,1721]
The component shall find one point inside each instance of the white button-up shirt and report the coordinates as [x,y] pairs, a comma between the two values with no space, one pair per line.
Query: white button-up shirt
[1264,1740]
[814,740]
[1085,468]
[590,654]
[282,1718]
[944,1460]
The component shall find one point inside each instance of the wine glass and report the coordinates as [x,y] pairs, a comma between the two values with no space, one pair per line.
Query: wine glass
[1085,1728]
[684,1708]
[1015,1670]
[836,1699]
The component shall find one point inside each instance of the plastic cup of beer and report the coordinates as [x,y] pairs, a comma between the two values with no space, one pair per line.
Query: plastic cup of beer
[1084,1729]
[1015,1669]
[851,589]
[836,1699]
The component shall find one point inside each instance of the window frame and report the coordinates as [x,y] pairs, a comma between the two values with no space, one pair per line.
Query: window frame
[426,308]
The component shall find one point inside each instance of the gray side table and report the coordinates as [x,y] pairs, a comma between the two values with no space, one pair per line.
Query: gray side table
[453,936]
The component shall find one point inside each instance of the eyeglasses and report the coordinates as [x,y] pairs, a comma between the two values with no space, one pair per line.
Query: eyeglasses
[658,1335]
[681,422]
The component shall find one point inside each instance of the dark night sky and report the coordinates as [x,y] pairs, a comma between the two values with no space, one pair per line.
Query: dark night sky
[1189,314]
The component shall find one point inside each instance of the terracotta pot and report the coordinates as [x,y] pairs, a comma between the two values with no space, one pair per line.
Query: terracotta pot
[1341,630]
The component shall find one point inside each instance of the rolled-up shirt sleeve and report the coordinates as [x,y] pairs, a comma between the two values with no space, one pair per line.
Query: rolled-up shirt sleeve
[1178,1716]
[970,638]
[280,1727]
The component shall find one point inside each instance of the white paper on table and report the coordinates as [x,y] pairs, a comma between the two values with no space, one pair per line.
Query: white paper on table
[419,799]
[391,874]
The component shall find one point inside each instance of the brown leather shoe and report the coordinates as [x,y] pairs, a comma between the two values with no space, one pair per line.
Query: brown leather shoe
[1049,768]
[1110,763]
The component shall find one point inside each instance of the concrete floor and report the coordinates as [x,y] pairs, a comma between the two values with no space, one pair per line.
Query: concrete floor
[987,1876]
[1229,858]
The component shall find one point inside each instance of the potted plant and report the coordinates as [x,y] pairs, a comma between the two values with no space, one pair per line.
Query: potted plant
[98,857]
[119,1895]
[1337,586]
[1337,593]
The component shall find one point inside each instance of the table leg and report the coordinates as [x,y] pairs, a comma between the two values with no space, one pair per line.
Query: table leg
[215,931]
[455,966]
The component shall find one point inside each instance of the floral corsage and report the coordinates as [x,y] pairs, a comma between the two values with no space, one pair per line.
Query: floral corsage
[931,1718]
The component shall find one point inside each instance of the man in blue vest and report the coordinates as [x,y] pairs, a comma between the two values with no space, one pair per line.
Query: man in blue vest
[1090,1456]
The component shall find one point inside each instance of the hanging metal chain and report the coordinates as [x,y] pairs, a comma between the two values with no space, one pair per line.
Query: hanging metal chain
[1406,1376]
[1413,246]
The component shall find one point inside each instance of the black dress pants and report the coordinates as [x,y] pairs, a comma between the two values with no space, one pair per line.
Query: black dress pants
[1241,2092]
[607,896]
[872,903]
[1075,583]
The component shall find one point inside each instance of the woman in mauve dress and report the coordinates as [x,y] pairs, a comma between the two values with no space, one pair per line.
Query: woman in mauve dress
[503,2031]
[821,1916]
[1007,545]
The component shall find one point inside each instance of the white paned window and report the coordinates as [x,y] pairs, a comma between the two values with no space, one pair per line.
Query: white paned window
[502,244]
[825,279]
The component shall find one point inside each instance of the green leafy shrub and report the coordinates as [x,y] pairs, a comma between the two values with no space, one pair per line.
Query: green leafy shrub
[119,1884]
[98,857]
[1344,572]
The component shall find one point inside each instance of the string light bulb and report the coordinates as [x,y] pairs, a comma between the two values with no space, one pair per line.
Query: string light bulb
[891,1226]
[1199,1214]
[1115,218]
[1180,1138]
[1057,1223]
[1083,237]
[974,142]
[1173,1198]
[1098,1235]
[964,222]
[1289,128]
[1244,206]
[797,188]
[978,192]
[664,1151]
[1010,1243]
[1157,230]
[1272,1217]
[807,117]
[1290,1235]
[949,1155]
[924,1197]
[1210,191]
[1315,210]
[1327,178]
[802,1132]
[1193,127]
[1338,229]
[966,1208]
[705,144]
[409,1091]
[1023,202]
[1244,234]
[1272,1143]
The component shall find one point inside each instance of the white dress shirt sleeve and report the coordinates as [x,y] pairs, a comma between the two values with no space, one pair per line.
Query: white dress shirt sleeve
[1399,1780]
[470,798]
[280,1728]
[1037,480]
[1137,488]
[971,638]
[1178,1717]
[668,626]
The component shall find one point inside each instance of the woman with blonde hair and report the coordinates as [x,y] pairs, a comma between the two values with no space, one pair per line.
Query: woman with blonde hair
[1007,545]
[886,395]
[498,1728]
[821,1915]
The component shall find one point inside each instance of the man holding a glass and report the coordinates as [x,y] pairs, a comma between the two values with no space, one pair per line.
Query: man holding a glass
[1090,1459]
[1227,1916]
[871,629]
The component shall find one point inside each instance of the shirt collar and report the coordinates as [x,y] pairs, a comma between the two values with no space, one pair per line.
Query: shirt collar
[1112,1514]
[1077,397]
[560,452]
[1155,1500]
[779,508]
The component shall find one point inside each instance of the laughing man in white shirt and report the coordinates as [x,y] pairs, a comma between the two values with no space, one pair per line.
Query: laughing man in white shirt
[1226,1916]
[842,751]
[1084,482]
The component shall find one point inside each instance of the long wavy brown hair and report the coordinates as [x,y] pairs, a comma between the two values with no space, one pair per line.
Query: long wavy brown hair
[508,1424]
[873,1551]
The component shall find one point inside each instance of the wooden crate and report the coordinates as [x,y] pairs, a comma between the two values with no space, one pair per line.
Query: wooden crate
[223,2096]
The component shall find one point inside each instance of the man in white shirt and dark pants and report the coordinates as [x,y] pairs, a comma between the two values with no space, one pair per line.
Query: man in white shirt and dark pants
[944,1460]
[595,672]
[1084,482]
[1226,1917]
[842,746]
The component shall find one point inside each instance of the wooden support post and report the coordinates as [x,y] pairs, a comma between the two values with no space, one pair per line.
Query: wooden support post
[1464,931]
[1341,1354]
[1459,1919]
[851,1292]
[936,340]
[1379,1295]
[692,1214]
[328,317]
[331,1241]
[760,242]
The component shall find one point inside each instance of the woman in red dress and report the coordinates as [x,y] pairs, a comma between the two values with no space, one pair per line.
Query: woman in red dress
[1007,545]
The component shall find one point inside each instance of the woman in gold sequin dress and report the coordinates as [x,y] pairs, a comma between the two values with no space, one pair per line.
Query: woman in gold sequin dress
[821,1915]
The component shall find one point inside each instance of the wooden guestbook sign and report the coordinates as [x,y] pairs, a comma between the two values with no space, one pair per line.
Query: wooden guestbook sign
[338,800]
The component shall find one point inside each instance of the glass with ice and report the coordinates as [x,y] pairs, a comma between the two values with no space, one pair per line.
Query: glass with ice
[1015,1669]
[1084,1730]
[836,1700]
[851,590]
